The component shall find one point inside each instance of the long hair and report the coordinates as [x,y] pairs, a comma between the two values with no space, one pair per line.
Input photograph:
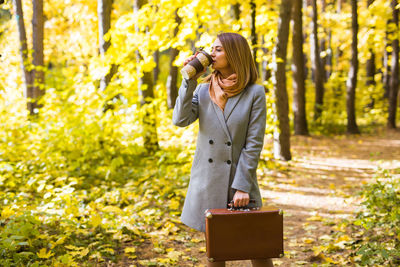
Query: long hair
[239,57]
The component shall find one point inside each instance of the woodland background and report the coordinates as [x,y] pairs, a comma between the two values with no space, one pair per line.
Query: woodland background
[91,167]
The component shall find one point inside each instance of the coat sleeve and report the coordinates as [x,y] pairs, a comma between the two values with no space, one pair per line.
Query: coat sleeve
[186,109]
[248,160]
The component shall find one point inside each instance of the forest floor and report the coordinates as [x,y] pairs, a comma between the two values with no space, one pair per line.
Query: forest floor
[316,190]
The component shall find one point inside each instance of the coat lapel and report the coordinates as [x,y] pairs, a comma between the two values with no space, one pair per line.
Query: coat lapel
[221,118]
[231,104]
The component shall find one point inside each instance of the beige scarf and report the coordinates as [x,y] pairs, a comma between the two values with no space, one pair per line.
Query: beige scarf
[223,88]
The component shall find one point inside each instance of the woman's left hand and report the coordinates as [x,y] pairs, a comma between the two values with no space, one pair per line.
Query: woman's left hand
[241,199]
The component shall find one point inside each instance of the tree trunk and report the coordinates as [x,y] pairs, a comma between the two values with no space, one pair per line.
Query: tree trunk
[329,56]
[156,70]
[386,66]
[323,47]
[172,87]
[316,63]
[25,62]
[394,81]
[370,65]
[282,133]
[38,59]
[236,11]
[104,8]
[146,90]
[305,8]
[253,36]
[265,70]
[351,84]
[339,52]
[299,101]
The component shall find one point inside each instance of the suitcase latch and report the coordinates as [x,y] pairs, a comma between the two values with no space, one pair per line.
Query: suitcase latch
[208,214]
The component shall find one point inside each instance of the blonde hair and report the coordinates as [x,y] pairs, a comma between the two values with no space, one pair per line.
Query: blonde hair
[239,57]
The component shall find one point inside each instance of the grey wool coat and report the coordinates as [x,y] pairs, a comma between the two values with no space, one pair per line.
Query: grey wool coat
[228,148]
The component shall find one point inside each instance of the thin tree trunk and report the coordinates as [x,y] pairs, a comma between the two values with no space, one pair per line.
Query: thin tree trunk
[25,62]
[329,56]
[156,70]
[145,84]
[305,8]
[386,65]
[253,36]
[172,87]
[38,58]
[282,133]
[316,62]
[236,10]
[394,81]
[104,8]
[351,84]
[339,52]
[266,70]
[370,65]
[323,47]
[299,90]
[338,88]
[370,68]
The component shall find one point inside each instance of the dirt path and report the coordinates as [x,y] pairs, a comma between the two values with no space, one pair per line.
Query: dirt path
[316,190]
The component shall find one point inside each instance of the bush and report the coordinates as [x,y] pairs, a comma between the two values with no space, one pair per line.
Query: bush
[377,226]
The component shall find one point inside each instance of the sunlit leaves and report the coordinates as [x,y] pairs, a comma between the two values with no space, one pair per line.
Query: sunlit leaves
[44,254]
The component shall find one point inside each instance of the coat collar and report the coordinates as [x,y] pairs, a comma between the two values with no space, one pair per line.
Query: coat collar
[229,107]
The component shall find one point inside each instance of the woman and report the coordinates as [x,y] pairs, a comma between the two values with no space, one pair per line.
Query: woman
[232,113]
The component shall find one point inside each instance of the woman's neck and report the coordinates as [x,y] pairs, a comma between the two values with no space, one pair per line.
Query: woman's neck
[226,72]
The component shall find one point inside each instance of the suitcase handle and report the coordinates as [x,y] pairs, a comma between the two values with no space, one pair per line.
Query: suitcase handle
[246,208]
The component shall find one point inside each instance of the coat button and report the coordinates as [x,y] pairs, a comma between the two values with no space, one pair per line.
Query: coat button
[210,160]
[228,161]
[211,142]
[229,143]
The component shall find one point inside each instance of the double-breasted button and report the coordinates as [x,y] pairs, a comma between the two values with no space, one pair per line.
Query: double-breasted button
[210,160]
[228,161]
[228,143]
[211,142]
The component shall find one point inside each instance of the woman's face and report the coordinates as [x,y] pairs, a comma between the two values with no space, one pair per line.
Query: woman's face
[218,55]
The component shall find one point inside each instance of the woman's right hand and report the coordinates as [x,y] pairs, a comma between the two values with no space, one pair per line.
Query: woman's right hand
[198,74]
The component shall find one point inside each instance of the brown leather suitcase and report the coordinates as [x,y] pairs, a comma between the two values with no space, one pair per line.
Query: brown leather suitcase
[244,234]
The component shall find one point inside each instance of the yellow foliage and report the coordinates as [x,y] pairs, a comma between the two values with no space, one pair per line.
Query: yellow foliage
[7,212]
[130,250]
[44,254]
[174,204]
[81,170]
[315,217]
[113,209]
[95,220]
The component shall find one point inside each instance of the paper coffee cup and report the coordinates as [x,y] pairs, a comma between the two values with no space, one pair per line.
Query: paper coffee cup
[196,65]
